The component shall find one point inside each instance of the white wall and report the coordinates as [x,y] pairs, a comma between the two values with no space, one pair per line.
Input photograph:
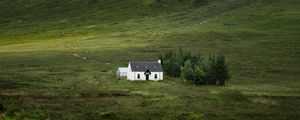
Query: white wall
[122,74]
[130,74]
[134,76]
[159,76]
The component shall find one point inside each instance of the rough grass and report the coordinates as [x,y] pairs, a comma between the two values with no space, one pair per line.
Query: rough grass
[59,62]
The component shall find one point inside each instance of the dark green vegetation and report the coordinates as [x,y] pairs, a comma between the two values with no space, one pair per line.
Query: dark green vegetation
[58,58]
[196,69]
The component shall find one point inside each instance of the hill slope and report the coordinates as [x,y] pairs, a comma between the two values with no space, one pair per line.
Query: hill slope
[58,58]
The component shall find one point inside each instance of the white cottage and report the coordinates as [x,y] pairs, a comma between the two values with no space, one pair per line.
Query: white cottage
[144,70]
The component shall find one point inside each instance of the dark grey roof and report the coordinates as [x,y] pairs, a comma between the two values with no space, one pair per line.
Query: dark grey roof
[142,66]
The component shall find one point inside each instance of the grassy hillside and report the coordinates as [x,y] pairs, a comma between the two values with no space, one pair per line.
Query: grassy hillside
[58,58]
[43,19]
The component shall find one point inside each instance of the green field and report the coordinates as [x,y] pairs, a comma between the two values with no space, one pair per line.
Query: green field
[58,59]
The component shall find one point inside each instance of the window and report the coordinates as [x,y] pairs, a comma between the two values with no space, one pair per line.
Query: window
[138,76]
[155,76]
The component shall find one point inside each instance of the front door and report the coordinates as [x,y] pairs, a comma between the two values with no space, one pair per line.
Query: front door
[147,76]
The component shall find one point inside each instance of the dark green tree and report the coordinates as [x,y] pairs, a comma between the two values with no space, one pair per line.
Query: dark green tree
[187,72]
[221,70]
[217,72]
[199,75]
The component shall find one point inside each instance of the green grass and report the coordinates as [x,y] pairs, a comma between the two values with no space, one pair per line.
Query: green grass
[58,59]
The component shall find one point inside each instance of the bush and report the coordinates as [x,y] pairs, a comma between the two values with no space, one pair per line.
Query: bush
[2,108]
[200,2]
[195,69]
[164,3]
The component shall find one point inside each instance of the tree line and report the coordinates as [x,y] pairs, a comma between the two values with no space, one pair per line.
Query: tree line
[195,68]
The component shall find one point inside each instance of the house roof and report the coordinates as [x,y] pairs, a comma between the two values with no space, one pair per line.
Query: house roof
[142,66]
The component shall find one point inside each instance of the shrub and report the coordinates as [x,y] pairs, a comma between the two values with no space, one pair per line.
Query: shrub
[200,2]
[164,3]
[2,108]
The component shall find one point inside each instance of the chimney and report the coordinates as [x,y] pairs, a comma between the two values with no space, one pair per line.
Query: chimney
[159,61]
